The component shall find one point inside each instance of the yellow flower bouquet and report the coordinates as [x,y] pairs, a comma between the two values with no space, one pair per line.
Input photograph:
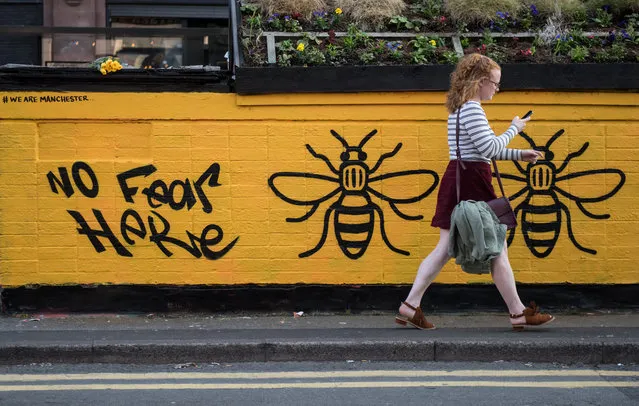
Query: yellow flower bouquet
[106,64]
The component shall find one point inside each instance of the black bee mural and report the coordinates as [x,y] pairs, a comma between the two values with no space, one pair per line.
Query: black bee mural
[541,209]
[354,219]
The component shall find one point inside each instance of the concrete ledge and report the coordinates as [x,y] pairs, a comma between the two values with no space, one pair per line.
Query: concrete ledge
[566,352]
[340,351]
[147,353]
[59,354]
[625,353]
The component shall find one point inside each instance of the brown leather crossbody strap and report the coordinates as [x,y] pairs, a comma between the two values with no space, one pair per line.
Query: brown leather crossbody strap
[501,187]
[461,163]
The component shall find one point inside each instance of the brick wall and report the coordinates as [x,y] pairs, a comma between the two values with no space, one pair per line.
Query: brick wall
[174,188]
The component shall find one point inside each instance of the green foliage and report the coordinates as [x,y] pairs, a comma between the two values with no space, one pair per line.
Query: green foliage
[355,38]
[487,38]
[254,20]
[285,54]
[450,57]
[618,8]
[320,21]
[563,43]
[312,56]
[249,9]
[602,18]
[428,9]
[286,23]
[497,53]
[304,52]
[617,52]
[402,23]
[552,44]
[423,49]
[334,54]
[579,54]
[367,58]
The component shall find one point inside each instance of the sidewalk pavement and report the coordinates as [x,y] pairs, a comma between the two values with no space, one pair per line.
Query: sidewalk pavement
[603,337]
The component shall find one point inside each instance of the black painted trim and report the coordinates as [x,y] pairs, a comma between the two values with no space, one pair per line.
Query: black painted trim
[30,78]
[336,298]
[320,79]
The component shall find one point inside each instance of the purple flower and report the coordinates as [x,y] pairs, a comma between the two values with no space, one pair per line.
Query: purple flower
[533,10]
[625,35]
[393,45]
[606,8]
[287,18]
[501,15]
[276,15]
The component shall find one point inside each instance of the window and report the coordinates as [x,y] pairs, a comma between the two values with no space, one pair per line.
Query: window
[141,33]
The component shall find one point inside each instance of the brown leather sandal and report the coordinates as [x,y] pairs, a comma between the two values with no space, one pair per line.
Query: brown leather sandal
[418,320]
[533,316]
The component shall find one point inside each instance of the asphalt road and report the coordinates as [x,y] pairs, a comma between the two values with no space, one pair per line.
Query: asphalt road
[352,382]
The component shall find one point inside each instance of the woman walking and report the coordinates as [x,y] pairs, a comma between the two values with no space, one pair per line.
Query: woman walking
[475,79]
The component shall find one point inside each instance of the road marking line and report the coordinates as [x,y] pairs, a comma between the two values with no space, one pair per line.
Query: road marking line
[315,374]
[319,385]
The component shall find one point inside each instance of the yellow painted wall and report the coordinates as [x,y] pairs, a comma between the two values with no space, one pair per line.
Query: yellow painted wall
[254,137]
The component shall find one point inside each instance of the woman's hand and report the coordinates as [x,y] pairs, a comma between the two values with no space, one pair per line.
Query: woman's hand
[530,155]
[520,123]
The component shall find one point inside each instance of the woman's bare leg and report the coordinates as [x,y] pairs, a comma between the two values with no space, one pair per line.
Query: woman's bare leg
[504,279]
[427,272]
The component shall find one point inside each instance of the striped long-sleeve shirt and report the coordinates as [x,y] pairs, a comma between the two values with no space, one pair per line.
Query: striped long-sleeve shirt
[477,141]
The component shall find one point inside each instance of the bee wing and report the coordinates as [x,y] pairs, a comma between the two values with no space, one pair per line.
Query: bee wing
[301,188]
[404,186]
[599,186]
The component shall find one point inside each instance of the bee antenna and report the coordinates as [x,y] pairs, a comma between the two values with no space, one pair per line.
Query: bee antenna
[339,137]
[530,140]
[368,137]
[554,138]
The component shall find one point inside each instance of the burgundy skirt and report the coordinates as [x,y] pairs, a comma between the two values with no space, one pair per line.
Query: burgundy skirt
[475,184]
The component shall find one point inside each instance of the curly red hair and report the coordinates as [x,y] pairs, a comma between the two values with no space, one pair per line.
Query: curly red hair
[464,81]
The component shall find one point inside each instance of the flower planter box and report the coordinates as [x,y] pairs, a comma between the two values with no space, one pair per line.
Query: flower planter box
[262,80]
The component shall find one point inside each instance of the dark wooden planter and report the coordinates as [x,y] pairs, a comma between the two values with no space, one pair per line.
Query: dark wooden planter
[431,77]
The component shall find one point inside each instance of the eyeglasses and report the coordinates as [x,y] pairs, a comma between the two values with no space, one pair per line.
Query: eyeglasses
[494,83]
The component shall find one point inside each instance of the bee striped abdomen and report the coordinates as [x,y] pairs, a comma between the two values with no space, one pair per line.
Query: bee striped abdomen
[354,226]
[540,223]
